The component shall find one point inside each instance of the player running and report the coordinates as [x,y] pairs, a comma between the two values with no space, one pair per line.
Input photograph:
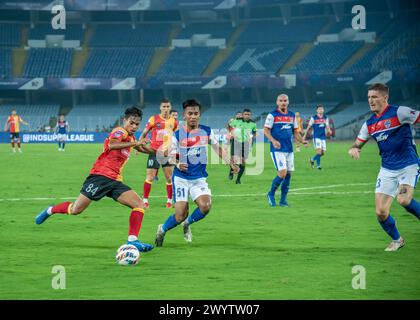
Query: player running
[61,130]
[390,126]
[12,124]
[279,128]
[243,131]
[105,179]
[189,153]
[162,127]
[319,123]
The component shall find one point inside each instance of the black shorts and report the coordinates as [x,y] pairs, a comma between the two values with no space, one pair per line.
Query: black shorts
[240,149]
[153,163]
[96,187]
[14,135]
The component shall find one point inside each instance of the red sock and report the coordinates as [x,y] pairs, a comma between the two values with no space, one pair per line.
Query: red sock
[136,217]
[13,144]
[19,144]
[146,189]
[61,208]
[169,190]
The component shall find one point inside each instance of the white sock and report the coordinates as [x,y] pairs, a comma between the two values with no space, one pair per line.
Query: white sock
[49,210]
[132,238]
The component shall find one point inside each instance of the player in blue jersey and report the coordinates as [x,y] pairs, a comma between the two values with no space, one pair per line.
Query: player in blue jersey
[61,130]
[280,127]
[319,123]
[189,154]
[390,126]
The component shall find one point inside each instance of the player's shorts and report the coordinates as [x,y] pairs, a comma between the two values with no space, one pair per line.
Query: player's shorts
[320,144]
[182,188]
[14,135]
[240,149]
[153,163]
[96,187]
[61,136]
[283,160]
[388,181]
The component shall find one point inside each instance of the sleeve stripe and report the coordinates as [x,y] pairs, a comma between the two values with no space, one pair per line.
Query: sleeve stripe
[360,139]
[418,119]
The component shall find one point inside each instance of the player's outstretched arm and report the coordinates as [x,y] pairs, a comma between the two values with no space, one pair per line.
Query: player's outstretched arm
[144,148]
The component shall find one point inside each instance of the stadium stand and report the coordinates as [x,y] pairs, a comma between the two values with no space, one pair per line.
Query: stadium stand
[72,32]
[216,30]
[275,31]
[327,57]
[10,34]
[117,62]
[89,117]
[152,35]
[187,61]
[257,59]
[48,62]
[5,63]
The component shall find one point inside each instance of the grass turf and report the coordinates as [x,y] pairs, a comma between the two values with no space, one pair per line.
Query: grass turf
[244,249]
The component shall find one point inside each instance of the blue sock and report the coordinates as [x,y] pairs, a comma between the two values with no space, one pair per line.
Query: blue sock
[318,160]
[59,145]
[64,144]
[197,215]
[275,184]
[414,208]
[285,187]
[390,228]
[170,223]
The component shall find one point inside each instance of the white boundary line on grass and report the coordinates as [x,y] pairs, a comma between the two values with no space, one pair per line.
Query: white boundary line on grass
[292,192]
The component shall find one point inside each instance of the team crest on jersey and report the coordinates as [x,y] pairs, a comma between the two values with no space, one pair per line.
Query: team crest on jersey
[158,125]
[387,124]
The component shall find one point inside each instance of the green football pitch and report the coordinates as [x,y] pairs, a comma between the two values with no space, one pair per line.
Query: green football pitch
[244,249]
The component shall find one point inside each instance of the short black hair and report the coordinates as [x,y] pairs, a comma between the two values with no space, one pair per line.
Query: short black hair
[133,112]
[319,106]
[240,111]
[173,110]
[191,103]
[165,101]
[246,110]
[379,87]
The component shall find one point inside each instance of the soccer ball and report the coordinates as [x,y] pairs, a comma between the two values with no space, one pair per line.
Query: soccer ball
[127,254]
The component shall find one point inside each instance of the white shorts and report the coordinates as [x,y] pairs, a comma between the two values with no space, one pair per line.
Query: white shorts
[283,160]
[61,136]
[195,188]
[320,144]
[389,181]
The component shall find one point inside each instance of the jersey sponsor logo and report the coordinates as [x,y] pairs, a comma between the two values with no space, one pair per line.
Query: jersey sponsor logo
[381,137]
[194,141]
[286,127]
[194,152]
[283,119]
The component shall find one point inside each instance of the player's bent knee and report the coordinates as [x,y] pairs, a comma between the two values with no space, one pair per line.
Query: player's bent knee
[205,208]
[382,213]
[404,201]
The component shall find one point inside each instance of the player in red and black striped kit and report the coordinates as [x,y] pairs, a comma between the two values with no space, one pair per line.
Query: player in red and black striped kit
[105,179]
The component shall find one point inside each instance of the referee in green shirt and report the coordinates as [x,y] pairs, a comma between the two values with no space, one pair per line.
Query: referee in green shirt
[243,131]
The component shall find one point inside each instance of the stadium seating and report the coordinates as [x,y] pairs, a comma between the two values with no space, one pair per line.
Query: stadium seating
[110,35]
[350,113]
[5,63]
[48,62]
[72,32]
[267,32]
[375,22]
[327,57]
[257,59]
[217,30]
[117,62]
[36,115]
[187,61]
[87,117]
[10,34]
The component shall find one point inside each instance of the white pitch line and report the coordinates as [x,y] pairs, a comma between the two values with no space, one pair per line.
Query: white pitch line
[292,192]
